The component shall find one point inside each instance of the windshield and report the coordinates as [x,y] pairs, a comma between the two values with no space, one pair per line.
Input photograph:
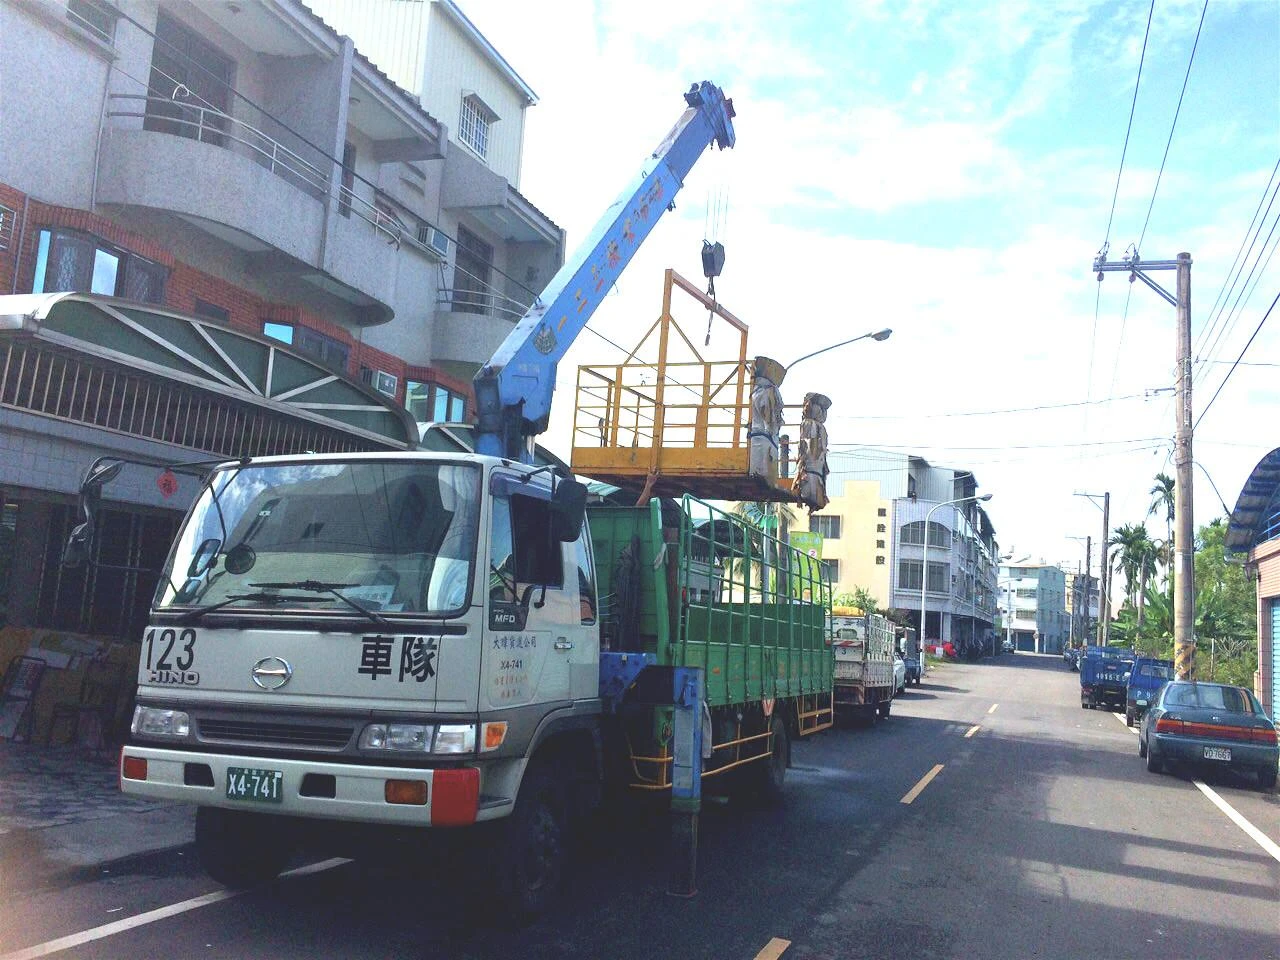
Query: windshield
[395,537]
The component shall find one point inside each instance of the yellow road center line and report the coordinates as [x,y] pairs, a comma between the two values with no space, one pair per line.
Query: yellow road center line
[993,708]
[1260,838]
[972,730]
[151,916]
[773,949]
[924,782]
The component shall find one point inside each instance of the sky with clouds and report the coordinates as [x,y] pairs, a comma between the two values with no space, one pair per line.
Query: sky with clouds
[945,168]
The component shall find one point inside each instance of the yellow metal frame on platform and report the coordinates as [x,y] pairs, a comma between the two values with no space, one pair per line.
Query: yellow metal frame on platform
[647,418]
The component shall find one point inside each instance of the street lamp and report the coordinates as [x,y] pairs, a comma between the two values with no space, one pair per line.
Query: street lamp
[924,565]
[877,335]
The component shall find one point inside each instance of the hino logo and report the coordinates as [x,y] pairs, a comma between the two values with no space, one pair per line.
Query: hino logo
[271,673]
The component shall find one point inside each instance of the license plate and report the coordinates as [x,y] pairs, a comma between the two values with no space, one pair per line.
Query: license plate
[248,783]
[1142,702]
[1217,753]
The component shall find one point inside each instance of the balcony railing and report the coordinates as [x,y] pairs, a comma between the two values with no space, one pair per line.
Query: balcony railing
[478,295]
[197,121]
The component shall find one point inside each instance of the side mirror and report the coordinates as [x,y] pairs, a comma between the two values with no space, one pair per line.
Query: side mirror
[568,510]
[79,545]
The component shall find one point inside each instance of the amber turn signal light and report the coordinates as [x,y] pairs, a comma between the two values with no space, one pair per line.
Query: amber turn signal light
[133,768]
[413,792]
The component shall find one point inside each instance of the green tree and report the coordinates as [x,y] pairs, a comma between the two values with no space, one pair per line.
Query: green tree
[1162,502]
[1136,559]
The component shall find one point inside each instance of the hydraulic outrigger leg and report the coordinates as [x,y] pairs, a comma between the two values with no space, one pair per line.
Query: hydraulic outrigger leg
[686,779]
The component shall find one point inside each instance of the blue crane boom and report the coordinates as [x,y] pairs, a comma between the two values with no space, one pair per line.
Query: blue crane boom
[513,390]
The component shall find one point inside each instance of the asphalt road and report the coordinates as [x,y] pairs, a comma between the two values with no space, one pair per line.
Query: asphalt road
[1042,835]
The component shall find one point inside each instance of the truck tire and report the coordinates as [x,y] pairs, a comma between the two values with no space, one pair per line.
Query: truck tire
[884,709]
[1128,714]
[774,770]
[240,849]
[530,847]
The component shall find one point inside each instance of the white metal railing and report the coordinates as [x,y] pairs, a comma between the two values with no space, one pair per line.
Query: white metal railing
[200,121]
[487,300]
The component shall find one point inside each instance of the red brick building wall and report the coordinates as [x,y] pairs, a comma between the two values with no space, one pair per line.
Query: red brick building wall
[186,284]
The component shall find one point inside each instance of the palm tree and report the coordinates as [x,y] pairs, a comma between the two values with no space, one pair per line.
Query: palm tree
[1136,559]
[1162,501]
[765,517]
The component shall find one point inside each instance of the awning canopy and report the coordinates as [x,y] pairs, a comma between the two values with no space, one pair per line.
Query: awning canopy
[1256,517]
[238,366]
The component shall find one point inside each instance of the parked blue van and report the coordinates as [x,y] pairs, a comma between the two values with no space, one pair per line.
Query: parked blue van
[1145,680]
[1104,677]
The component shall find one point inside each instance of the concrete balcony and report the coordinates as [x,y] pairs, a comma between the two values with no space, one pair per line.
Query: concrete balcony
[253,193]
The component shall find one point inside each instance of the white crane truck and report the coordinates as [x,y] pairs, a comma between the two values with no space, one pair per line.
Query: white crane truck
[435,640]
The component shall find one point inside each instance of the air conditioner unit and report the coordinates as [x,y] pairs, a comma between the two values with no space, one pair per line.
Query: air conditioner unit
[380,380]
[434,239]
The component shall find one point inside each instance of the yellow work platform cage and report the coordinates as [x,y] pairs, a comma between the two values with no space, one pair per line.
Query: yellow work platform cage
[668,421]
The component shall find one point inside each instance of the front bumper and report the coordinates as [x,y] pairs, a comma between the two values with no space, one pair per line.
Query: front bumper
[314,788]
[1244,756]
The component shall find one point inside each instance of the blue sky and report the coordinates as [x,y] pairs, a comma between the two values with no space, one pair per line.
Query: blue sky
[944,168]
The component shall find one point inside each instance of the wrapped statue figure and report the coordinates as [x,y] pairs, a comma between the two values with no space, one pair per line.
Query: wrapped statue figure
[766,417]
[810,483]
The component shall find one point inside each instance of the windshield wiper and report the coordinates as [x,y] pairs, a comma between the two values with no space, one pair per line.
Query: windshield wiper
[271,599]
[319,586]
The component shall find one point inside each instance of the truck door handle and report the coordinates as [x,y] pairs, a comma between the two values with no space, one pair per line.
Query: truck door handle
[563,644]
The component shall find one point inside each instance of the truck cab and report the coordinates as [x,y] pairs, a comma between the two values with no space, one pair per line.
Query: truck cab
[374,638]
[1104,677]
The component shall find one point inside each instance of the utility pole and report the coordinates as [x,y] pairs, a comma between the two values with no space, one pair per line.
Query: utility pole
[1184,576]
[1184,581]
[1104,585]
[1104,621]
[1088,590]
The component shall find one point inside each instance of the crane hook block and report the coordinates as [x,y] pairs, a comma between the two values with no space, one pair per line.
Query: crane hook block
[712,259]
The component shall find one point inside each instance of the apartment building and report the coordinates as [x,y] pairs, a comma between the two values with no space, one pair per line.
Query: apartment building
[892,510]
[297,255]
[1033,605]
[1082,607]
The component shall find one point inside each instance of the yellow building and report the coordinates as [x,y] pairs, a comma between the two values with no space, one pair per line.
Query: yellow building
[856,538]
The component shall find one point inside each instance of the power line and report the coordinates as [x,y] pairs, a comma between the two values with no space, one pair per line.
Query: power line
[1174,125]
[987,413]
[1237,266]
[1011,446]
[1238,359]
[1246,291]
[1132,109]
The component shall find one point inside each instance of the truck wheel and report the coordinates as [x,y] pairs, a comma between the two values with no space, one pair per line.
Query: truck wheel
[1128,714]
[774,770]
[528,855]
[240,849]
[871,714]
[884,708]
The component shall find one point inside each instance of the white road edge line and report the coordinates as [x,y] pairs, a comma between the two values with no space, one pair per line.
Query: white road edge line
[1265,842]
[151,916]
[1119,716]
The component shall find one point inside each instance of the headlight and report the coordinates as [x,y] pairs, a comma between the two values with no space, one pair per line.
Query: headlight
[152,722]
[456,738]
[410,737]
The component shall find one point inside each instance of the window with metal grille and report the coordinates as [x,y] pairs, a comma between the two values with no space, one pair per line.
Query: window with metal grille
[7,219]
[474,119]
[826,527]
[80,262]
[830,570]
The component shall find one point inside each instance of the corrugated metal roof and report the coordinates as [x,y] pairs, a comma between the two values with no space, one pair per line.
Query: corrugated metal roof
[1254,506]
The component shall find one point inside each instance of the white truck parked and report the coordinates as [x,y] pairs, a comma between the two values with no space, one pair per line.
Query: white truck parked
[864,681]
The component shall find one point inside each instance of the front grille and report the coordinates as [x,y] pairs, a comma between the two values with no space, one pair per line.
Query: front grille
[316,736]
